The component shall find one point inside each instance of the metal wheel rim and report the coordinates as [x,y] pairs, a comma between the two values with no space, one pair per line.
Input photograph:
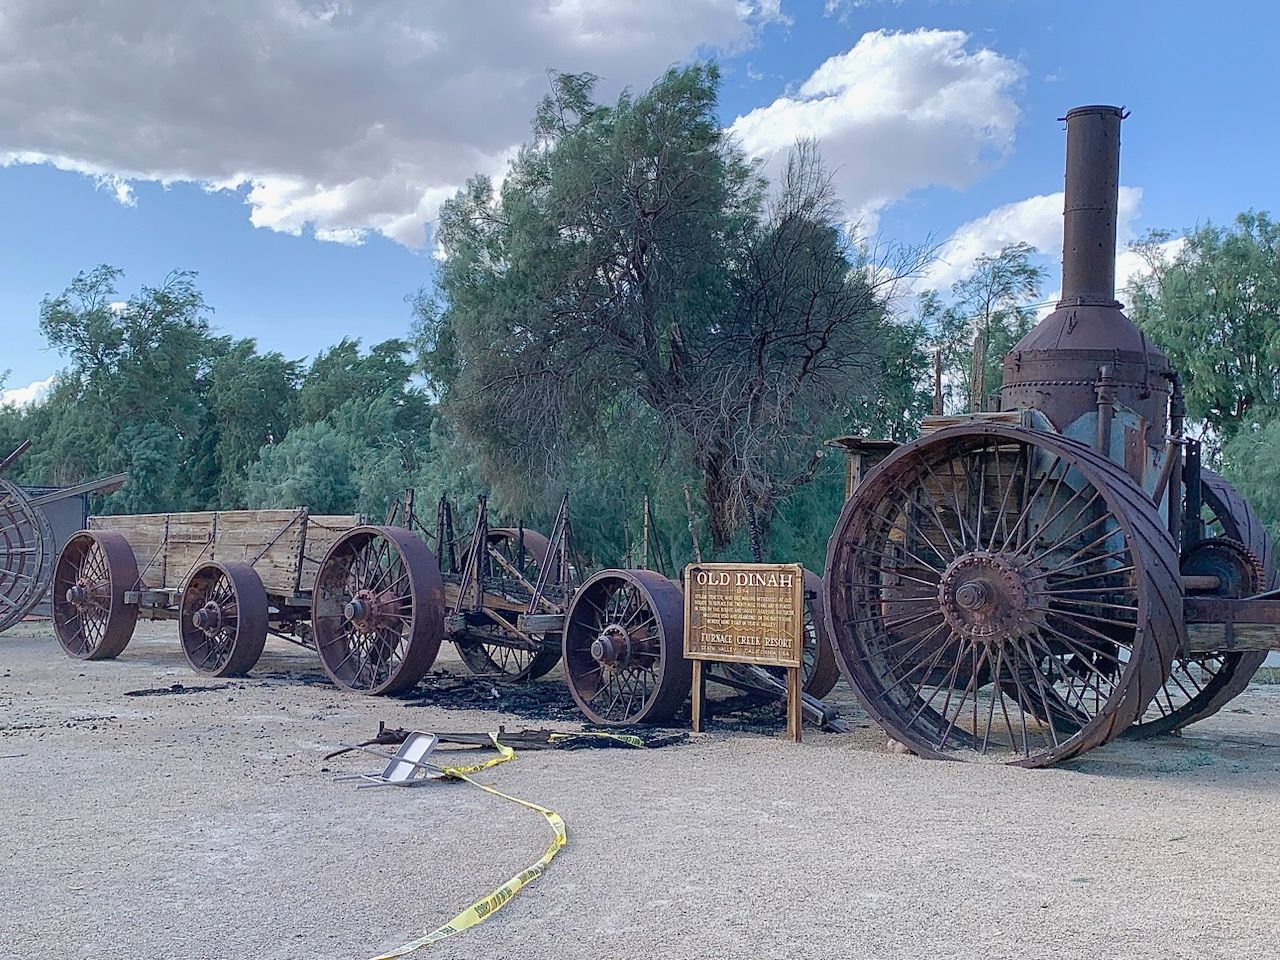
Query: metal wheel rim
[95,624]
[26,555]
[377,611]
[648,682]
[821,670]
[1198,687]
[997,673]
[228,642]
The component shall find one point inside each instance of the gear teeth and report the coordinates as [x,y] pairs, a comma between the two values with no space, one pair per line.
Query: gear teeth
[1248,564]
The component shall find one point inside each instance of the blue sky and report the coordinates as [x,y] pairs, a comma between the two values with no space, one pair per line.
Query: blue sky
[240,138]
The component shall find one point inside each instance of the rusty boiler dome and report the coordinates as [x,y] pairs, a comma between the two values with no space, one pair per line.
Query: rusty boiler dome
[1056,366]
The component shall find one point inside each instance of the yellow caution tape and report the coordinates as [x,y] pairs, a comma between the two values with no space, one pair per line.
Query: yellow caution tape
[486,907]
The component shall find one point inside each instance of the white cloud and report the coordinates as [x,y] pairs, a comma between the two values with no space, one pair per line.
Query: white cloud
[32,393]
[1035,220]
[897,112]
[343,116]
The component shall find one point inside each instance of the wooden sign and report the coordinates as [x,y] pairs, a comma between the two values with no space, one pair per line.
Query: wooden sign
[745,613]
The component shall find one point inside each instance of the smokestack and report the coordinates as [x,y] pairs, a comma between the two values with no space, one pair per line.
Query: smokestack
[1089,212]
[1088,342]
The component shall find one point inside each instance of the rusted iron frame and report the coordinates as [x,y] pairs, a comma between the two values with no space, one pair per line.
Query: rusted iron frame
[101,485]
[1192,524]
[471,571]
[1171,459]
[558,539]
[1177,426]
[512,629]
[516,573]
[302,553]
[8,461]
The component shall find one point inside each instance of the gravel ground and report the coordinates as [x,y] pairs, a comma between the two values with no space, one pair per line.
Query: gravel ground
[205,824]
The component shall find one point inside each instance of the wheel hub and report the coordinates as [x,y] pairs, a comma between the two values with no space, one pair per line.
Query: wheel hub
[983,595]
[78,595]
[207,618]
[613,646]
[363,609]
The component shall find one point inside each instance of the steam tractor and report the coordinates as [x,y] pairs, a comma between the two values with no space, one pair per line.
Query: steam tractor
[1025,584]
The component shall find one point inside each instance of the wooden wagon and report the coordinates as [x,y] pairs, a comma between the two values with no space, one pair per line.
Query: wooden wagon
[369,599]
[376,602]
[228,577]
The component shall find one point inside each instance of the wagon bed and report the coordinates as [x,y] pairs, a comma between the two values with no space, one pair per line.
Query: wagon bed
[284,547]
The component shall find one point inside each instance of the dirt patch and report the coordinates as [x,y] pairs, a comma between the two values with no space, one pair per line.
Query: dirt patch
[210,827]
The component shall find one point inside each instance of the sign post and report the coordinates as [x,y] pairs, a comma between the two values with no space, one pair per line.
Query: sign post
[745,613]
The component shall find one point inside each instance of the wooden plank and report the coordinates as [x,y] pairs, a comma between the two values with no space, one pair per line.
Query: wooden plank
[940,421]
[321,532]
[1217,638]
[170,546]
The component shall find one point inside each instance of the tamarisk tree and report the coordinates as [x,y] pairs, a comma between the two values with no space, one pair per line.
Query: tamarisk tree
[633,255]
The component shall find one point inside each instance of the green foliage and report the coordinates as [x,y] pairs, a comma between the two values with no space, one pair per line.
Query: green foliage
[1252,463]
[133,388]
[987,315]
[252,400]
[194,418]
[313,467]
[632,257]
[1214,308]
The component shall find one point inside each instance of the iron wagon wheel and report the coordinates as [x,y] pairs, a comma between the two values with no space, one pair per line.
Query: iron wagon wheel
[514,663]
[1001,593]
[1201,685]
[90,617]
[26,555]
[377,610]
[222,619]
[820,669]
[624,648]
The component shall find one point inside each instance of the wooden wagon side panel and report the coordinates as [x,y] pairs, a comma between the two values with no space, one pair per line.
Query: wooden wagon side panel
[148,535]
[283,546]
[268,540]
[322,531]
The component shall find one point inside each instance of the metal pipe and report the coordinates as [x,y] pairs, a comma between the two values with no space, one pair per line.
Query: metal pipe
[8,461]
[1177,426]
[1106,391]
[1092,193]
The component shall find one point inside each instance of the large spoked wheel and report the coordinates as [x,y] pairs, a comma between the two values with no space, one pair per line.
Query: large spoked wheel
[26,555]
[501,656]
[1001,593]
[624,648]
[90,618]
[819,669]
[1201,685]
[223,619]
[377,613]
